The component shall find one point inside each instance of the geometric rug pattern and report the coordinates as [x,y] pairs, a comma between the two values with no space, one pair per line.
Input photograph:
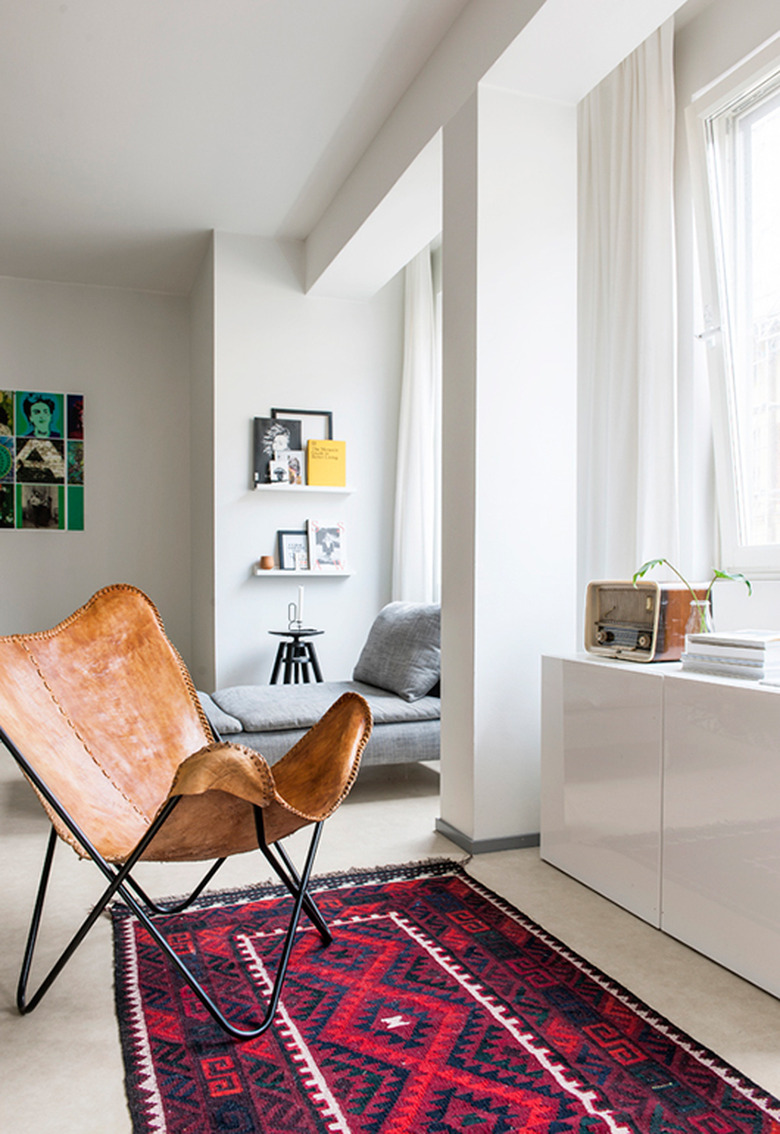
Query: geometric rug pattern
[438,1008]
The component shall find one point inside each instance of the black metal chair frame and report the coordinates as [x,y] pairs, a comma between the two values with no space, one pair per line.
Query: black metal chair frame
[122,883]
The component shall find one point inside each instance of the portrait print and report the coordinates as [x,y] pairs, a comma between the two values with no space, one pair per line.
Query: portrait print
[40,505]
[274,441]
[327,551]
[39,414]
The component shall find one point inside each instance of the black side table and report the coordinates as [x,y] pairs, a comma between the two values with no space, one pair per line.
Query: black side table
[297,656]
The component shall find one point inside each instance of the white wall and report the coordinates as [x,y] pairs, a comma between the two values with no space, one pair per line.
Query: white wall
[128,353]
[202,483]
[275,346]
[459,467]
[188,536]
[528,400]
[510,444]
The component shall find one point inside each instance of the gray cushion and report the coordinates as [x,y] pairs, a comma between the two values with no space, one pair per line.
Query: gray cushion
[403,650]
[400,743]
[268,708]
[218,718]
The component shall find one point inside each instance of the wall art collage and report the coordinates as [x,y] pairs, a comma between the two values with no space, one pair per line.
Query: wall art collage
[41,460]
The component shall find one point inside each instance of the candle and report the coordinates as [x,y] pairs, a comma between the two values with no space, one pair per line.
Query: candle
[300,605]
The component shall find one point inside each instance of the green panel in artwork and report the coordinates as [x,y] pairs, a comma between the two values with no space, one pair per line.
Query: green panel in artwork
[75,509]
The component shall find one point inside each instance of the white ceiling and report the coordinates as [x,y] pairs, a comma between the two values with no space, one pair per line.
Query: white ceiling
[561,51]
[131,128]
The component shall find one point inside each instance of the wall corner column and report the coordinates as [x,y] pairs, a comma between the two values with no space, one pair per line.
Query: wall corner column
[509,452]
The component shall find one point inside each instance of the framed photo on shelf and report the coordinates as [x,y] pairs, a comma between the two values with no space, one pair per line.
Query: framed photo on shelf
[327,551]
[293,550]
[274,440]
[279,470]
[296,466]
[314,425]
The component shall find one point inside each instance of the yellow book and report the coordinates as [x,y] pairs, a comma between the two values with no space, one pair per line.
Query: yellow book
[326,463]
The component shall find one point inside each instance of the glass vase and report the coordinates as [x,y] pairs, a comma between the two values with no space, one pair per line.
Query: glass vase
[699,618]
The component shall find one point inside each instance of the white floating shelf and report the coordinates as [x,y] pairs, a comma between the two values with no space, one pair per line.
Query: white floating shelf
[288,488]
[276,571]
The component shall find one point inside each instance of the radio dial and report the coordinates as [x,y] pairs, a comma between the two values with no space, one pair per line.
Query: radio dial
[604,636]
[644,641]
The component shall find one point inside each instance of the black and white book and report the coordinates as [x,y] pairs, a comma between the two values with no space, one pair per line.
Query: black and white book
[274,440]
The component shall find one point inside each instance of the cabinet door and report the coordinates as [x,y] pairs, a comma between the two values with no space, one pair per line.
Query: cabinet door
[601,778]
[721,858]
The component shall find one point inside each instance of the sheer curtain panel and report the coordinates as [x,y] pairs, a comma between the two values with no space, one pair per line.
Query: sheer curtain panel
[416,546]
[627,316]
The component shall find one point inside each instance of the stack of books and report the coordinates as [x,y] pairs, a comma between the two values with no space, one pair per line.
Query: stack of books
[753,655]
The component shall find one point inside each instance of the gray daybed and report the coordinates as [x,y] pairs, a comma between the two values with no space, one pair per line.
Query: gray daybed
[397,673]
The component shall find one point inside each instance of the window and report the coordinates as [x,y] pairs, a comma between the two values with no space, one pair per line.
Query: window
[739,146]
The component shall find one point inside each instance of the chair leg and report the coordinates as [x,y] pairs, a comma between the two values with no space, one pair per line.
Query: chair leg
[35,924]
[281,972]
[177,907]
[287,874]
[292,881]
[117,880]
[121,882]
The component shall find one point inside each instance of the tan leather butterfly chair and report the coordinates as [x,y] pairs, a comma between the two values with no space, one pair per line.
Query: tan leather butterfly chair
[102,717]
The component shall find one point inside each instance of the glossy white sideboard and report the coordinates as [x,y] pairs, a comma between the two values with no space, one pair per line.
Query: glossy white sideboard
[661,790]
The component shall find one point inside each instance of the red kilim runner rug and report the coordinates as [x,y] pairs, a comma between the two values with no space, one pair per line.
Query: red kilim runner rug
[437,1009]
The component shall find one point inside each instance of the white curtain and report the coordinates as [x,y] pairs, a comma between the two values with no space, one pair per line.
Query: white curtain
[416,538]
[627,321]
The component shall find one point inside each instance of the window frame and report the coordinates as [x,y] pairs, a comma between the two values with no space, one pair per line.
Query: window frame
[755,559]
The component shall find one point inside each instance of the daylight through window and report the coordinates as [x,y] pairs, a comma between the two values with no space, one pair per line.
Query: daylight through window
[743,169]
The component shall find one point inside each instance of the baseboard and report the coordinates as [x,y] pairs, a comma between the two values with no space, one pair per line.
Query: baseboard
[485,846]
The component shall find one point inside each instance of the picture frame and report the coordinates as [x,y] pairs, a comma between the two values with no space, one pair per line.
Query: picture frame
[327,546]
[296,466]
[273,440]
[279,470]
[293,549]
[315,425]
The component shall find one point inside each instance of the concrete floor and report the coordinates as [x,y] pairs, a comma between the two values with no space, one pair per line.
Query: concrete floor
[61,1068]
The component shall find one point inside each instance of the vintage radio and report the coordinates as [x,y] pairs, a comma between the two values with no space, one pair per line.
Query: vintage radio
[641,623]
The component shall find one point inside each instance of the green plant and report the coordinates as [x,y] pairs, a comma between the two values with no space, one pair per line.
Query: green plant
[716,574]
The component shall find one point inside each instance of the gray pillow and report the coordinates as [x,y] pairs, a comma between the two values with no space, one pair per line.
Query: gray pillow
[403,650]
[219,720]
